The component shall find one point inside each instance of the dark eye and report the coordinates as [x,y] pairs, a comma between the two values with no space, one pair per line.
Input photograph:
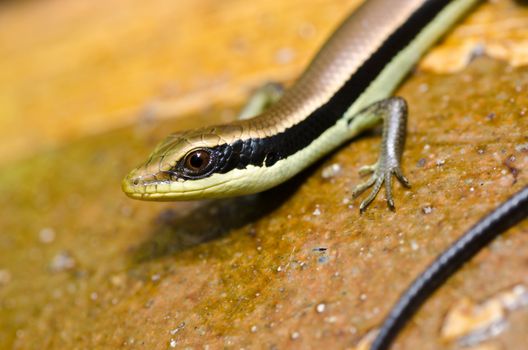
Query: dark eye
[197,161]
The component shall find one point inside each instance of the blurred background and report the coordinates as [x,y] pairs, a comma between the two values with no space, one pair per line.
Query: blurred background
[75,68]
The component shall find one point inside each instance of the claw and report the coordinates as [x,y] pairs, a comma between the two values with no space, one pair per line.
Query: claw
[380,177]
[403,180]
[388,191]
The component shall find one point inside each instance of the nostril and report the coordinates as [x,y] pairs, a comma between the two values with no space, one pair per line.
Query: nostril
[135,182]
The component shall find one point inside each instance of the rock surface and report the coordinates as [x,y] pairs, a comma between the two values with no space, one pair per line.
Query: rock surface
[82,266]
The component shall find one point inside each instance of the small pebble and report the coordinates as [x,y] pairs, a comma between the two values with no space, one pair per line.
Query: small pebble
[62,261]
[423,87]
[174,331]
[320,308]
[523,147]
[331,319]
[427,209]
[323,259]
[295,335]
[330,171]
[284,55]
[306,30]
[46,235]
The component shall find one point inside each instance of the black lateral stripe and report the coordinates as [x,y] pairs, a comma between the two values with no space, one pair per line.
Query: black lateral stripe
[267,151]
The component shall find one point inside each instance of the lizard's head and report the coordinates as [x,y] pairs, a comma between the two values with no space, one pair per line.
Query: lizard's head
[198,164]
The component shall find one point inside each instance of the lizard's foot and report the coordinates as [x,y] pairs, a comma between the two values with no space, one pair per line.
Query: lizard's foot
[382,172]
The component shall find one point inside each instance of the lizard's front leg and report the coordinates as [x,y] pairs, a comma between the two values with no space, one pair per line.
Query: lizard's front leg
[393,113]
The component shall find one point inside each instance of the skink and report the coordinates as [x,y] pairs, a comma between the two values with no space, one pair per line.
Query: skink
[344,91]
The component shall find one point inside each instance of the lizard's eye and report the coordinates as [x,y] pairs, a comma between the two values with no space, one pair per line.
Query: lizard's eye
[198,161]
